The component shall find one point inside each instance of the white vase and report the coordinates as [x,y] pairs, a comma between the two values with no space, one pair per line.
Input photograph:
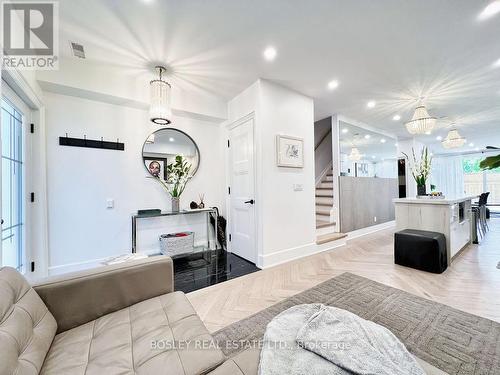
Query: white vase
[175,204]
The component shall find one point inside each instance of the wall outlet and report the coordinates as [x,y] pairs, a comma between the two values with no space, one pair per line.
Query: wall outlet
[110,203]
[375,219]
[298,187]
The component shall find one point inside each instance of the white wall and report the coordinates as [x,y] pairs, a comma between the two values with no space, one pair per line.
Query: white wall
[286,217]
[80,180]
[323,150]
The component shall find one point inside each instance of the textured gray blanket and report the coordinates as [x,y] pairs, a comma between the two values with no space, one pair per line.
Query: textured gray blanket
[316,339]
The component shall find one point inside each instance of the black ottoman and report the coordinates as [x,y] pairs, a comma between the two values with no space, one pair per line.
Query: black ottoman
[420,249]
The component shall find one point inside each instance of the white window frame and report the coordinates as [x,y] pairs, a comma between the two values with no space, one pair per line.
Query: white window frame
[30,93]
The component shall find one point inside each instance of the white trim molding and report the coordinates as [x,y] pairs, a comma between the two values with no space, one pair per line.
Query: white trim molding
[294,253]
[369,230]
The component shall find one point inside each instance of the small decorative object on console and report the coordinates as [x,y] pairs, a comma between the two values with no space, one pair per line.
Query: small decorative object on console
[177,243]
[201,205]
[193,205]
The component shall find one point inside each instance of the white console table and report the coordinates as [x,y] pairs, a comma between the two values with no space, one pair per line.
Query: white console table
[211,244]
[450,216]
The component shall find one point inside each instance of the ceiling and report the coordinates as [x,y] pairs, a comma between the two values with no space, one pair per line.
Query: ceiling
[390,51]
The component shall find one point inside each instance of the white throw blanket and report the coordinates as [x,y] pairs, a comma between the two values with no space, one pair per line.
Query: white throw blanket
[317,339]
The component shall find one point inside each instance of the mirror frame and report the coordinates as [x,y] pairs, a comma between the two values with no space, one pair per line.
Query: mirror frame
[180,131]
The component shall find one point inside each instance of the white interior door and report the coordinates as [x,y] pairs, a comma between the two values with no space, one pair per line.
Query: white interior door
[242,198]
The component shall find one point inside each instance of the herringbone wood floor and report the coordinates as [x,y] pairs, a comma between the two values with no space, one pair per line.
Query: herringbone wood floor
[471,283]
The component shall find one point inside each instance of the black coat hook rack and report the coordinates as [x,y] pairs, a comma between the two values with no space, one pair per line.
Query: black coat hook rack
[91,143]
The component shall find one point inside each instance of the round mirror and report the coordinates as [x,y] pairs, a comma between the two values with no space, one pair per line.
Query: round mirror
[161,148]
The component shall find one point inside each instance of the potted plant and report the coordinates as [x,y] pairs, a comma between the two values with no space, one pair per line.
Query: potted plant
[421,169]
[177,178]
[491,162]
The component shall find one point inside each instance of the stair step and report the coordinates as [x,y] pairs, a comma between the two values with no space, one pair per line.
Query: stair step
[324,201]
[324,193]
[323,206]
[322,212]
[326,185]
[329,237]
[328,178]
[324,224]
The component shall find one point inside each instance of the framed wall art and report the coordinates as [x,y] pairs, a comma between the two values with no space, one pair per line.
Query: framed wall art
[289,151]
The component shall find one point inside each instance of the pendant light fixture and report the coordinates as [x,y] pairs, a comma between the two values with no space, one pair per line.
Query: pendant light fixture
[355,155]
[160,112]
[421,122]
[453,139]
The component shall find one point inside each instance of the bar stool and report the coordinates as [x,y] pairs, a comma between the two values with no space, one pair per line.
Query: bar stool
[480,211]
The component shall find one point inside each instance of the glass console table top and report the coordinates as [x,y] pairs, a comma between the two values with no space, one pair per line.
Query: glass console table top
[174,213]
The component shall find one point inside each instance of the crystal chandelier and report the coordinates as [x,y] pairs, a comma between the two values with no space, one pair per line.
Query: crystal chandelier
[453,139]
[160,112]
[421,122]
[355,155]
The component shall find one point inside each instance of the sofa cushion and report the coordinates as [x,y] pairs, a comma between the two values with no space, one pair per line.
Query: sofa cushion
[27,328]
[243,363]
[162,335]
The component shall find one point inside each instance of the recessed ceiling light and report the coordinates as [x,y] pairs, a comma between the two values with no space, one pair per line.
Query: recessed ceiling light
[367,136]
[471,144]
[491,9]
[439,138]
[270,53]
[496,64]
[371,104]
[345,130]
[332,85]
[373,157]
[396,117]
[171,139]
[395,144]
[428,133]
[382,140]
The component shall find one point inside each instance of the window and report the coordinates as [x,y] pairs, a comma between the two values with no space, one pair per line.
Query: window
[478,181]
[12,251]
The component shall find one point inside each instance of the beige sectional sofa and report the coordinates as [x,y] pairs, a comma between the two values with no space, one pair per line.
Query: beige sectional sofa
[120,319]
[102,321]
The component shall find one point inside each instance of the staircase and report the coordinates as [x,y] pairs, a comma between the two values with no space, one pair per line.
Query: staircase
[325,228]
[324,201]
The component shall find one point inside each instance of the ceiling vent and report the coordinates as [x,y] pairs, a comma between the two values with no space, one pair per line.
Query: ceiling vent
[78,50]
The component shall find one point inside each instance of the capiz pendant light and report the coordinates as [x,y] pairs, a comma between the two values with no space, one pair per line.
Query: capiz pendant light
[355,155]
[160,112]
[453,139]
[421,122]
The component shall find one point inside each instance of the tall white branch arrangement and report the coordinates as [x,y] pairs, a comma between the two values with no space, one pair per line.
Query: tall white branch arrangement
[420,169]
[177,177]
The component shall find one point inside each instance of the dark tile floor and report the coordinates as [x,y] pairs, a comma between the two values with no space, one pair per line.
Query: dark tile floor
[212,267]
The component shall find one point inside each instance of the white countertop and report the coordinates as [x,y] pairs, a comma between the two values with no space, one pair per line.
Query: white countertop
[446,201]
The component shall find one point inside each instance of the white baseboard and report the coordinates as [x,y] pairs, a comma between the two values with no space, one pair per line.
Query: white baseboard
[369,230]
[293,253]
[77,266]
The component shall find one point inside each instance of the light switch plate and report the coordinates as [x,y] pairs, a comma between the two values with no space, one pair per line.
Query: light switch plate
[298,187]
[110,203]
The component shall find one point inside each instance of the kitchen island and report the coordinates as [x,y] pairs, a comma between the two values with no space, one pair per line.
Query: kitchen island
[450,216]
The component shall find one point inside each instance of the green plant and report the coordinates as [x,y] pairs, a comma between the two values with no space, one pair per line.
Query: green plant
[177,177]
[491,162]
[420,169]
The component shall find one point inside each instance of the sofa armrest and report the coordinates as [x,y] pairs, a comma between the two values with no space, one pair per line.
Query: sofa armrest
[80,297]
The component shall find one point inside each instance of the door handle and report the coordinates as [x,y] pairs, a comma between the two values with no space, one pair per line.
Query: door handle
[251,201]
